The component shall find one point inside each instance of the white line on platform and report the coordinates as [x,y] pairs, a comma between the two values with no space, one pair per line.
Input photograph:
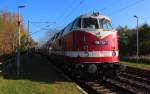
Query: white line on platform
[84,92]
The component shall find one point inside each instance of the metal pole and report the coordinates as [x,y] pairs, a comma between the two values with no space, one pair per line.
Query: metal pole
[137,54]
[28,37]
[137,41]
[18,41]
[18,44]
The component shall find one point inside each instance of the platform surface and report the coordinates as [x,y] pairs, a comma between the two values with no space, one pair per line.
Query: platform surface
[37,76]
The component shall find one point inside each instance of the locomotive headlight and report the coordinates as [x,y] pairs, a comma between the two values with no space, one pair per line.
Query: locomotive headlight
[96,42]
[113,53]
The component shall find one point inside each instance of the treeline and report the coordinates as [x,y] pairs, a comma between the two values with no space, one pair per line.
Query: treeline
[128,40]
[8,33]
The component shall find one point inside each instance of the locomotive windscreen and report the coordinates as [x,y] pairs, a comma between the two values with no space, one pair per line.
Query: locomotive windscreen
[105,24]
[90,23]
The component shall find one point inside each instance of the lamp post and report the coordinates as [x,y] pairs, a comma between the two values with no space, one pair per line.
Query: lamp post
[28,38]
[137,54]
[18,40]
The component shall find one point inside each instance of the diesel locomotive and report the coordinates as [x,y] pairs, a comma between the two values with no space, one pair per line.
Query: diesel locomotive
[87,46]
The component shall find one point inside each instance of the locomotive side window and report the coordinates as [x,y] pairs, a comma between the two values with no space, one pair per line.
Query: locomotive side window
[91,23]
[62,31]
[67,29]
[77,24]
[52,38]
[57,35]
[105,24]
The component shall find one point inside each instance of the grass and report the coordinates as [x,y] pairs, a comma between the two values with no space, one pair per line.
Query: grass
[37,76]
[136,65]
[31,87]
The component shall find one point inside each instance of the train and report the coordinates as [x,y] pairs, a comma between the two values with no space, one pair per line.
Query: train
[87,47]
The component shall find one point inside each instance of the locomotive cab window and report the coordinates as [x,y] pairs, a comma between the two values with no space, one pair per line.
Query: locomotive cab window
[67,29]
[91,23]
[105,24]
[77,24]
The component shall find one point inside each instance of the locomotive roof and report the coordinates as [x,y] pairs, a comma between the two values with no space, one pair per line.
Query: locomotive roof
[95,15]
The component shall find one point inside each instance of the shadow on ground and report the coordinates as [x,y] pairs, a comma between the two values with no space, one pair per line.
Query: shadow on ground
[37,68]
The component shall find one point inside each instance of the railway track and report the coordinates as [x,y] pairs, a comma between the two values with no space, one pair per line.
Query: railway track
[138,80]
[136,71]
[129,85]
[143,80]
[115,86]
[126,83]
[103,87]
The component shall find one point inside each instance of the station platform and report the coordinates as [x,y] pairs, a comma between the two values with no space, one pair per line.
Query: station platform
[38,74]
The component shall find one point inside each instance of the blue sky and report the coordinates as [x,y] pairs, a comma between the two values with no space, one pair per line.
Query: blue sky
[64,11]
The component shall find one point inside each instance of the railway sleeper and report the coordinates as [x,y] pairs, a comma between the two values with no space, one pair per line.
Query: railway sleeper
[135,83]
[103,91]
[125,86]
[136,78]
[100,89]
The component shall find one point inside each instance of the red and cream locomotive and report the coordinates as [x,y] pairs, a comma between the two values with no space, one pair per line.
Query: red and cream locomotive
[87,46]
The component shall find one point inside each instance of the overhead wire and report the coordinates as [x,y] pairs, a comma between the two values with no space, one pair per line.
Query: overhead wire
[72,11]
[75,8]
[64,13]
[110,5]
[66,10]
[68,14]
[42,28]
[126,7]
[106,7]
